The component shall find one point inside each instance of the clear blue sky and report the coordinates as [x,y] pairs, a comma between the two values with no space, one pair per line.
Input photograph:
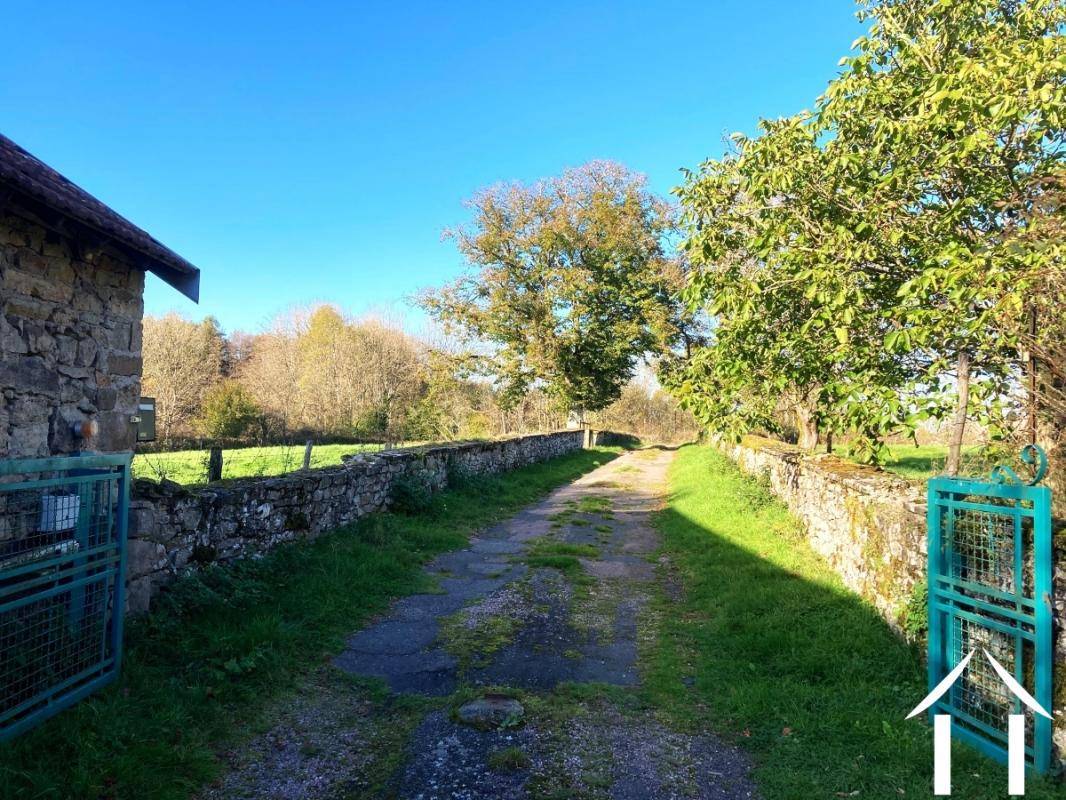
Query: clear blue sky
[314,151]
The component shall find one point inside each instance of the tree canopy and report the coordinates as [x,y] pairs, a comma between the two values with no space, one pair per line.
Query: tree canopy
[862,260]
[182,361]
[229,411]
[571,284]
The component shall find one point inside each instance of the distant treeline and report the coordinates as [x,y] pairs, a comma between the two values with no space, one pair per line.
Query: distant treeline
[320,374]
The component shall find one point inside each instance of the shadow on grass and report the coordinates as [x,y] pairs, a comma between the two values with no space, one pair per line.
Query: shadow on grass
[928,461]
[766,646]
[916,466]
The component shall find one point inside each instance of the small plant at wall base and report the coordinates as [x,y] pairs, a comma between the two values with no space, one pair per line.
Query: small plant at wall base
[412,492]
[914,619]
[460,477]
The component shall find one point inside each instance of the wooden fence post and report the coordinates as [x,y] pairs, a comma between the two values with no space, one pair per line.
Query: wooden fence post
[214,464]
[307,454]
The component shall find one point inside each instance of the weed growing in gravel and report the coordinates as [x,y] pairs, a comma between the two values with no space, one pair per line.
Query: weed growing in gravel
[473,642]
[568,565]
[547,548]
[594,504]
[510,759]
[554,714]
[589,505]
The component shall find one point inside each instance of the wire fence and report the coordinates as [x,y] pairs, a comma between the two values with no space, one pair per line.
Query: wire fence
[62,553]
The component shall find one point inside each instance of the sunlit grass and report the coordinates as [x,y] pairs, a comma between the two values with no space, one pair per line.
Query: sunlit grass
[189,467]
[927,460]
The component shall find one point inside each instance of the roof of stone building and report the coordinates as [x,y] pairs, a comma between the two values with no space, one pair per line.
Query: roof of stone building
[31,177]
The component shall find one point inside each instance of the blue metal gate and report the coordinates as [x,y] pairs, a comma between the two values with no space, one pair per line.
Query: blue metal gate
[62,562]
[990,588]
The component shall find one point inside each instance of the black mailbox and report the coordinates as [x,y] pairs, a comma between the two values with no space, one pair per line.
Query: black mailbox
[144,420]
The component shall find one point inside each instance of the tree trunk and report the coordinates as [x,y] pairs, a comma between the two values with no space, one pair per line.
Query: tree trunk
[807,427]
[958,424]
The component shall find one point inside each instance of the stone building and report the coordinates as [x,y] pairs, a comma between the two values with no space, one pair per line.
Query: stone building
[71,284]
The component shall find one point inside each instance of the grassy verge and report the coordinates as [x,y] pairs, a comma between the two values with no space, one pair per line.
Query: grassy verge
[223,644]
[783,659]
[189,467]
[927,461]
[919,463]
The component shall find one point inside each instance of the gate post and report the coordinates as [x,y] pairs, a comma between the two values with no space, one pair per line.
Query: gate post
[934,553]
[1044,649]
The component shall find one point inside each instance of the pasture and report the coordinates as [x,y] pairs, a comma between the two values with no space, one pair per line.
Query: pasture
[189,467]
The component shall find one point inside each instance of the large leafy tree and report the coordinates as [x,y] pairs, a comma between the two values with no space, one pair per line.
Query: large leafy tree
[571,284]
[884,223]
[776,238]
[952,115]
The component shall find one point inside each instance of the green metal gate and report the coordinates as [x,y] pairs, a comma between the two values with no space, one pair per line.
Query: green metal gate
[62,562]
[990,588]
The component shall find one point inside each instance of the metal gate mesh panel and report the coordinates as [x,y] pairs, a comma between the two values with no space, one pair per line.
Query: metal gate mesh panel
[979,693]
[990,591]
[62,553]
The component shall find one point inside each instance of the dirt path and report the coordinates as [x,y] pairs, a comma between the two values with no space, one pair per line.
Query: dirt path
[534,637]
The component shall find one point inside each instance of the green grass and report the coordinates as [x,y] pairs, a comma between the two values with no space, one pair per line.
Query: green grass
[927,461]
[549,548]
[510,759]
[785,661]
[591,504]
[474,646]
[919,463]
[924,461]
[565,564]
[224,644]
[189,467]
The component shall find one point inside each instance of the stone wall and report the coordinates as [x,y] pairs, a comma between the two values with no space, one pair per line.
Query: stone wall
[70,341]
[871,527]
[172,528]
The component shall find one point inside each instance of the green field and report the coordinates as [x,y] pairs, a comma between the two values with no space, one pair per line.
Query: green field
[916,462]
[189,467]
[927,461]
